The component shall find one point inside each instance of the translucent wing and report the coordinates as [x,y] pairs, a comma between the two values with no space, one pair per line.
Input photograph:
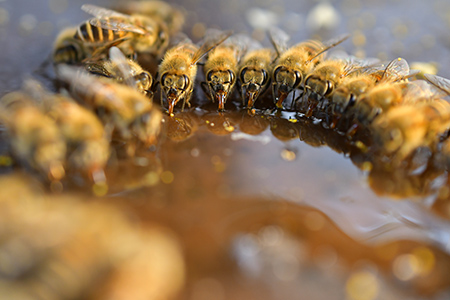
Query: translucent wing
[279,39]
[101,12]
[118,58]
[422,90]
[210,42]
[440,82]
[240,42]
[117,24]
[397,69]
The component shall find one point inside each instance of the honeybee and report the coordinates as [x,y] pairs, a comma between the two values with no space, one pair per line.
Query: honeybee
[85,137]
[178,69]
[67,49]
[129,112]
[404,128]
[122,69]
[66,247]
[294,63]
[35,139]
[328,75]
[254,73]
[221,67]
[387,92]
[132,33]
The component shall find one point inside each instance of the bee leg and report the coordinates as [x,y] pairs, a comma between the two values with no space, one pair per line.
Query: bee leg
[205,89]
[293,100]
[352,130]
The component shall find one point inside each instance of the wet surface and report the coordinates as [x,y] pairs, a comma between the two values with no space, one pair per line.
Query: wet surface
[274,206]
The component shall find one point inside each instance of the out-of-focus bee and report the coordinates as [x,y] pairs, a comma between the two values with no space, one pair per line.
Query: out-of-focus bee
[328,75]
[34,138]
[67,247]
[129,112]
[178,69]
[254,73]
[86,140]
[121,69]
[221,66]
[294,63]
[404,128]
[172,16]
[132,33]
[388,92]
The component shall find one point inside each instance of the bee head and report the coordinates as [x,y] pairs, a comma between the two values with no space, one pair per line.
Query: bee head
[252,82]
[220,84]
[284,82]
[144,81]
[319,86]
[175,87]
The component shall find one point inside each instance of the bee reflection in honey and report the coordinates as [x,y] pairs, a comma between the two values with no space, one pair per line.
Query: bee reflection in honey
[178,70]
[221,66]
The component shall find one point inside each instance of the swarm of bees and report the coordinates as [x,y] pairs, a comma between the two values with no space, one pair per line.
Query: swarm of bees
[109,91]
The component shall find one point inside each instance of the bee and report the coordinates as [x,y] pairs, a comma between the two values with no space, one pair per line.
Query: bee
[387,92]
[294,63]
[221,66]
[129,112]
[328,75]
[132,33]
[35,140]
[138,33]
[122,69]
[404,128]
[254,73]
[178,69]
[85,137]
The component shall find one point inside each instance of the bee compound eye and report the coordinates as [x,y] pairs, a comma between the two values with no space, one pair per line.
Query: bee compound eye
[186,82]
[330,88]
[209,76]
[145,79]
[163,79]
[265,77]
[232,76]
[298,79]
[242,74]
[277,72]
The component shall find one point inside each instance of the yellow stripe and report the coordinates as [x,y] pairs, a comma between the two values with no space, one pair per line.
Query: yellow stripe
[89,32]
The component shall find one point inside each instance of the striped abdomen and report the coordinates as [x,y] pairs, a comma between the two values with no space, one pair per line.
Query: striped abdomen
[96,34]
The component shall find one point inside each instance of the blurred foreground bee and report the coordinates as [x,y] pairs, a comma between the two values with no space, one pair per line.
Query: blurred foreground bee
[71,247]
[388,91]
[130,113]
[404,128]
[178,69]
[221,66]
[132,33]
[85,137]
[294,63]
[121,69]
[254,73]
[34,138]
